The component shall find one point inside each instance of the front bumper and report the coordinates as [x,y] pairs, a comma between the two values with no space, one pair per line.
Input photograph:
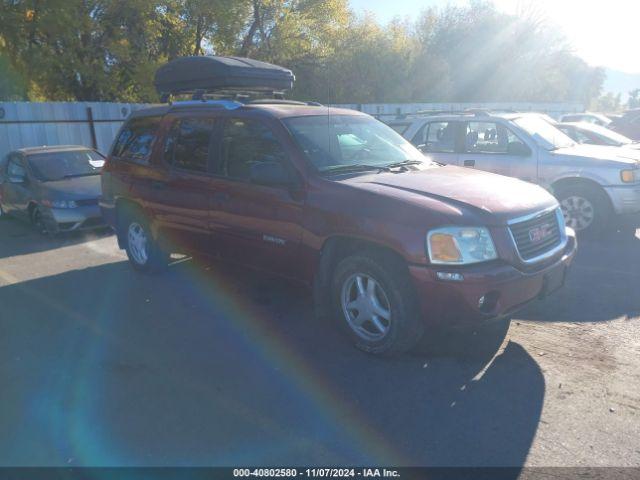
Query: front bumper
[71,219]
[504,287]
[625,198]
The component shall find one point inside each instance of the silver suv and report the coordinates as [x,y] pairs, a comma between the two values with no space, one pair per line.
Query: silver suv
[591,182]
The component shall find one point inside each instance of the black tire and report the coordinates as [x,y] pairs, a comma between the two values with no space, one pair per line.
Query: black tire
[404,327]
[154,259]
[579,196]
[38,223]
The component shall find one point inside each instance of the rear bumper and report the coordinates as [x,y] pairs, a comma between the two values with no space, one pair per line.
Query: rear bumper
[71,219]
[625,198]
[505,289]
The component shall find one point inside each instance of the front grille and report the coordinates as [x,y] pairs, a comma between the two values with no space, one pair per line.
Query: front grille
[87,202]
[536,236]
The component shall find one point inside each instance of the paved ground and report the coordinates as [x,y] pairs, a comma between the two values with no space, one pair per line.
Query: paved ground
[210,366]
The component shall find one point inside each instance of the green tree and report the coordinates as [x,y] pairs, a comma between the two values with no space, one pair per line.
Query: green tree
[634,98]
[110,49]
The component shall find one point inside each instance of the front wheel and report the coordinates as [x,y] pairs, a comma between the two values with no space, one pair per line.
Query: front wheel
[38,222]
[142,249]
[585,209]
[375,303]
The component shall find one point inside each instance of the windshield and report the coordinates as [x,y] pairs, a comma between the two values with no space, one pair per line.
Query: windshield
[545,134]
[608,135]
[51,166]
[336,141]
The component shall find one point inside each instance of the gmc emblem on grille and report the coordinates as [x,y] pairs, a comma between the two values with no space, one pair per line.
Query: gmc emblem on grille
[539,233]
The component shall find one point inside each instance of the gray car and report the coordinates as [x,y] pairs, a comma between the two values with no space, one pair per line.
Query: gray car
[592,134]
[592,183]
[55,188]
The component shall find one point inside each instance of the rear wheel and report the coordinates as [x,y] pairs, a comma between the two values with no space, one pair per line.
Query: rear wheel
[585,209]
[142,248]
[375,304]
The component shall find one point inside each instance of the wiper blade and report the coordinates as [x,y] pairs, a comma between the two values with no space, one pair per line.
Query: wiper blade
[403,163]
[359,167]
[88,174]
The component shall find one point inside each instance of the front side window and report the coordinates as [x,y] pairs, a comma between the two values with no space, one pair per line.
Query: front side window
[188,144]
[437,137]
[489,137]
[15,168]
[331,141]
[136,139]
[52,166]
[245,143]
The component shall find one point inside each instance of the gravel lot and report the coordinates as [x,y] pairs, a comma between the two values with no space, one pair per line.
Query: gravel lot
[219,366]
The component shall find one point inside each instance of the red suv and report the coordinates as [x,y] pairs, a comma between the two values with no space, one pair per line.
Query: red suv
[391,243]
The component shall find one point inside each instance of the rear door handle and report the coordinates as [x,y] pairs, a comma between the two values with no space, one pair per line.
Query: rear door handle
[469,163]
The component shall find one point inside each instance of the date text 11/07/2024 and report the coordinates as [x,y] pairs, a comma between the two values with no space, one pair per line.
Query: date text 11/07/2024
[317,472]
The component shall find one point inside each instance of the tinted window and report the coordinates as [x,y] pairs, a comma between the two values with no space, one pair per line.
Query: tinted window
[58,165]
[488,137]
[136,139]
[437,137]
[188,144]
[244,143]
[15,168]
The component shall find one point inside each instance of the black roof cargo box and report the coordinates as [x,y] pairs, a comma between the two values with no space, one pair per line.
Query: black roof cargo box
[213,73]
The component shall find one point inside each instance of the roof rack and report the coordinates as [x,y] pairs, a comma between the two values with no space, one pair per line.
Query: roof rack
[226,104]
[475,112]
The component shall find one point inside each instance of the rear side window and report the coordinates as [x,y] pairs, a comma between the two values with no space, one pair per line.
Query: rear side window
[437,137]
[188,145]
[136,139]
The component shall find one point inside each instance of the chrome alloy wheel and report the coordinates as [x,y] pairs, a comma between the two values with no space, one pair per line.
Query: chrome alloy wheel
[366,307]
[578,212]
[137,237]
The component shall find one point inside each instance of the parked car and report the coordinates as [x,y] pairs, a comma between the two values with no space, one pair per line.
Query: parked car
[593,134]
[587,117]
[628,124]
[54,187]
[592,183]
[391,243]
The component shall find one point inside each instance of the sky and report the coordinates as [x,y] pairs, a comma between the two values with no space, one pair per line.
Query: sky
[603,32]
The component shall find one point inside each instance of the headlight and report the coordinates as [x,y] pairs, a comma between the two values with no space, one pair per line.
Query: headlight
[460,245]
[630,176]
[59,203]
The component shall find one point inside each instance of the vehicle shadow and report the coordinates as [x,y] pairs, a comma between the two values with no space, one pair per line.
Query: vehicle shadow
[20,238]
[602,284]
[221,366]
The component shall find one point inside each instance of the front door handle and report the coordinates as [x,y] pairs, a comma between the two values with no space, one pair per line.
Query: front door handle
[469,163]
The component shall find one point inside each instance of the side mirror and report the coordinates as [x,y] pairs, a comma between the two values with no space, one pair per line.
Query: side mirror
[270,174]
[519,149]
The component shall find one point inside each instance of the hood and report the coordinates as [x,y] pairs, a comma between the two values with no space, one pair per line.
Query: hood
[77,188]
[613,155]
[461,192]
